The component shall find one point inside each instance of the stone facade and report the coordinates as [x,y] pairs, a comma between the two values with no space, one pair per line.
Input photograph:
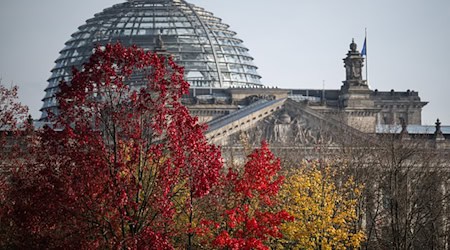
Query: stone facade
[396,105]
[354,104]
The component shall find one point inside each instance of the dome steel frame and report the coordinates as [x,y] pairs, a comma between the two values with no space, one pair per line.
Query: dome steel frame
[210,53]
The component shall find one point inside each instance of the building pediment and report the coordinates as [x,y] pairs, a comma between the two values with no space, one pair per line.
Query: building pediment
[282,123]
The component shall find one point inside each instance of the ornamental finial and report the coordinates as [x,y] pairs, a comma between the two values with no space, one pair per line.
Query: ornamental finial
[353,45]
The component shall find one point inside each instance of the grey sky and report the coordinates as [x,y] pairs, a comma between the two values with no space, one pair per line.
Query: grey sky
[295,43]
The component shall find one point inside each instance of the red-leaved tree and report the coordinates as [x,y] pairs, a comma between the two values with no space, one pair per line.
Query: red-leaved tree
[13,132]
[119,162]
[13,121]
[125,166]
[12,111]
[246,214]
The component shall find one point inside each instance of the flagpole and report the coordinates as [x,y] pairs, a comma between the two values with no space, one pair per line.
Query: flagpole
[367,59]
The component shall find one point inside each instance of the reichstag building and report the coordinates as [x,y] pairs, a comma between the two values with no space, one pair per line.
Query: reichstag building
[226,92]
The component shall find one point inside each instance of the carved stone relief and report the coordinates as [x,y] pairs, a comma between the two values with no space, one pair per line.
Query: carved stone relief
[285,129]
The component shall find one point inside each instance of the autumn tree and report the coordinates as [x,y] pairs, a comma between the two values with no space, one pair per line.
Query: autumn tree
[110,170]
[12,111]
[245,213]
[323,208]
[13,124]
[13,116]
[405,195]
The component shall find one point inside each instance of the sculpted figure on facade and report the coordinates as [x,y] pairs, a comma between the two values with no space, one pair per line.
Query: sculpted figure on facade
[282,129]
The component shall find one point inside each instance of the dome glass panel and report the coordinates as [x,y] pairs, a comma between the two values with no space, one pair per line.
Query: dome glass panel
[210,53]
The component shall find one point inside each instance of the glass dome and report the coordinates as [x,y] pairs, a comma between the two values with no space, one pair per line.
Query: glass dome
[212,55]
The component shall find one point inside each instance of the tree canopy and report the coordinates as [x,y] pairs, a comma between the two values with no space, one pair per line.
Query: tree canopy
[125,166]
[324,213]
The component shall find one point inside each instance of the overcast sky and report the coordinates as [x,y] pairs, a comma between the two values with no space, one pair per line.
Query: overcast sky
[295,43]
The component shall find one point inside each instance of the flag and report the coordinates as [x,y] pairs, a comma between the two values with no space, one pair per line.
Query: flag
[364,48]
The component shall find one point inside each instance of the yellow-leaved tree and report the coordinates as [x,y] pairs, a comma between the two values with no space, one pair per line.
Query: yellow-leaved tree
[323,207]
